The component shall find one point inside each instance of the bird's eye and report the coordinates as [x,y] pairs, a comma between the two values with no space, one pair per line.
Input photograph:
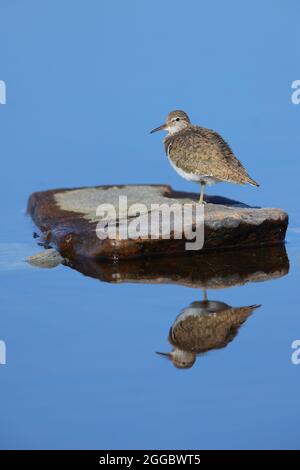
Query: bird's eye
[177,119]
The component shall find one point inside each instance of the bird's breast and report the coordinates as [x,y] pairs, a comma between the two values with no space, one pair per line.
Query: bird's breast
[190,176]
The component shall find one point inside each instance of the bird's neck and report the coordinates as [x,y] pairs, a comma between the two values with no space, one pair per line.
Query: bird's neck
[175,129]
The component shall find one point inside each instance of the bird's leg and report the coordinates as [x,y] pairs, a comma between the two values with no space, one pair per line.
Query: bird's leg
[201,200]
[204,294]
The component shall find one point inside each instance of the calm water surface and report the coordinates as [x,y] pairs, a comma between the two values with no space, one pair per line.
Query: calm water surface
[82,371]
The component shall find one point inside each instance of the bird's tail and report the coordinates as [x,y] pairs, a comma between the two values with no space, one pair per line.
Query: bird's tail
[253,307]
[251,181]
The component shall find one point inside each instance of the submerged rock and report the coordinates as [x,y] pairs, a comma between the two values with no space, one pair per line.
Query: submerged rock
[45,259]
[68,219]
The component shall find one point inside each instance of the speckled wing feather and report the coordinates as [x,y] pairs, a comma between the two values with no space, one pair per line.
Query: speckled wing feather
[201,333]
[202,151]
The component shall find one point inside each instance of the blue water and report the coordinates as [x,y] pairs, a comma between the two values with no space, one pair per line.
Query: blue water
[85,82]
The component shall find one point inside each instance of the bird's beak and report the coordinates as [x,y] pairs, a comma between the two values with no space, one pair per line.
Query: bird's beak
[160,128]
[167,355]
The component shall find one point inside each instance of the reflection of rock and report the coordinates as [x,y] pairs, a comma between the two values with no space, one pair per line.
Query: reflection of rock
[68,218]
[204,326]
[212,270]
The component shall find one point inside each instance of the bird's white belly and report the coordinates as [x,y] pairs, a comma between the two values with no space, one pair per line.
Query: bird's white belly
[194,177]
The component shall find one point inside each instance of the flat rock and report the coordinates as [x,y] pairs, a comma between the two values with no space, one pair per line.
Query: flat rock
[68,220]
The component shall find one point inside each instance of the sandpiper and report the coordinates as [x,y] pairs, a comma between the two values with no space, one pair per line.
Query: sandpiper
[199,154]
[204,326]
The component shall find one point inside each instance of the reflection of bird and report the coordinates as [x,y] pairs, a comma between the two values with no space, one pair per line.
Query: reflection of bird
[204,326]
[199,154]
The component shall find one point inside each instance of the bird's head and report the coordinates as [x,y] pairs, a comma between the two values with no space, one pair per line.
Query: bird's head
[181,359]
[176,121]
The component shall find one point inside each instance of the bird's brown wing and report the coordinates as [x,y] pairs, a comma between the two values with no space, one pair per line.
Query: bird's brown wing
[203,151]
[202,333]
